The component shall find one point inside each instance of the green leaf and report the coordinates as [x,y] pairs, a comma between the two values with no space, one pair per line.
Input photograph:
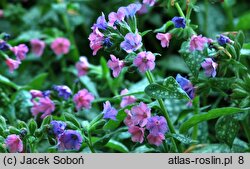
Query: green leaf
[2,122]
[192,59]
[240,38]
[243,22]
[7,82]
[38,82]
[32,126]
[145,33]
[117,146]
[212,114]
[90,85]
[227,129]
[71,118]
[183,139]
[169,89]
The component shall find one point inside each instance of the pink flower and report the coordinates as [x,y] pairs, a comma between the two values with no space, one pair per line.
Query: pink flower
[116,65]
[20,51]
[83,99]
[145,61]
[149,2]
[113,17]
[14,143]
[37,46]
[44,105]
[164,38]
[60,46]
[128,120]
[137,133]
[197,43]
[156,139]
[126,100]
[36,93]
[96,40]
[12,64]
[82,66]
[140,114]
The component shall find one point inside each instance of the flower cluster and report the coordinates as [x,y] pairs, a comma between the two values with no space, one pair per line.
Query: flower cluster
[139,119]
[67,139]
[120,32]
[42,102]
[19,51]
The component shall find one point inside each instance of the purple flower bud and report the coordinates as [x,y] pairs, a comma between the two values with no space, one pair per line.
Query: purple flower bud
[108,111]
[145,61]
[132,42]
[156,125]
[179,22]
[70,140]
[107,42]
[58,127]
[210,67]
[186,85]
[222,40]
[4,46]
[63,91]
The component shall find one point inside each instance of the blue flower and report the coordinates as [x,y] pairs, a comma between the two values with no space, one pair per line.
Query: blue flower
[222,40]
[58,127]
[70,140]
[101,23]
[63,91]
[179,22]
[130,10]
[132,42]
[108,111]
[156,125]
[186,85]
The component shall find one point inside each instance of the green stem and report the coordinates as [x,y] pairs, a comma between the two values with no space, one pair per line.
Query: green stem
[164,111]
[90,144]
[179,9]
